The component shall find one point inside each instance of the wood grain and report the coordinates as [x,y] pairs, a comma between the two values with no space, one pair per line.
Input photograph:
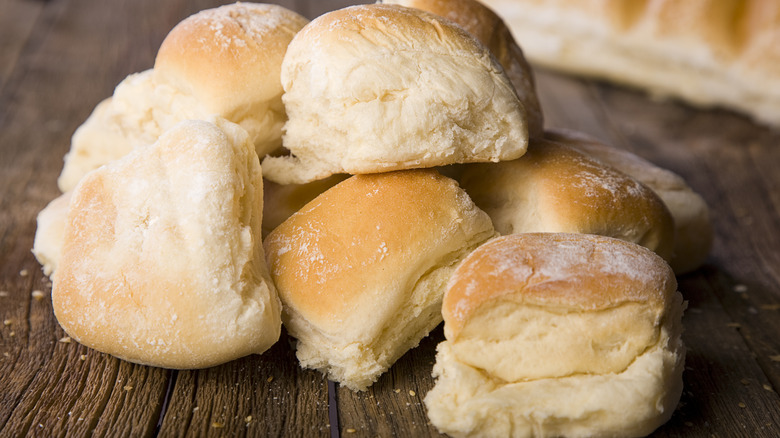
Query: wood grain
[58,59]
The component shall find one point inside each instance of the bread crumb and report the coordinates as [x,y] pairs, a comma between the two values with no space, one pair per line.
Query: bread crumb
[128,387]
[745,382]
[65,340]
[216,425]
[248,419]
[740,288]
[350,431]
[775,358]
[24,273]
[741,405]
[83,357]
[7,322]
[269,379]
[397,391]
[37,295]
[412,393]
[767,387]
[12,334]
[3,293]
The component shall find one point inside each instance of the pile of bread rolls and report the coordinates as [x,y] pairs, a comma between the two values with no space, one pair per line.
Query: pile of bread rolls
[406,180]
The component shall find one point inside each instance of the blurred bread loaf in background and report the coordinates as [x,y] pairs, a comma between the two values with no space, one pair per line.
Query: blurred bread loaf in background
[723,53]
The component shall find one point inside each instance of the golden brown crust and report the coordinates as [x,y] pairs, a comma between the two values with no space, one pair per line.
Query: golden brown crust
[558,271]
[555,188]
[229,57]
[363,243]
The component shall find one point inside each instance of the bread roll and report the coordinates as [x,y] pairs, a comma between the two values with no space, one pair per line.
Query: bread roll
[49,233]
[361,269]
[223,61]
[555,188]
[375,88]
[552,334]
[707,52]
[162,262]
[490,30]
[693,230]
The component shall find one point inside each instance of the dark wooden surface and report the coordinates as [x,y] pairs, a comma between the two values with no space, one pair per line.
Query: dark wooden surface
[58,58]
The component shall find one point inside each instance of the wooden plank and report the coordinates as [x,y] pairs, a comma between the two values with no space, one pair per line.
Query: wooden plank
[17,20]
[393,406]
[262,395]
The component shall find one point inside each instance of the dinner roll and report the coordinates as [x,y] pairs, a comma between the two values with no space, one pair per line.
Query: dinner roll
[223,61]
[162,262]
[48,234]
[229,58]
[556,188]
[374,88]
[490,30]
[556,334]
[693,229]
[361,269]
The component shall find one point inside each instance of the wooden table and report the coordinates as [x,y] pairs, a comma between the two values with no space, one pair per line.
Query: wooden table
[59,58]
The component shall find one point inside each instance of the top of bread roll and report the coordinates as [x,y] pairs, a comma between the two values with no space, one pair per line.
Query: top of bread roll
[361,269]
[556,188]
[693,229]
[162,262]
[566,272]
[709,53]
[490,30]
[230,59]
[374,88]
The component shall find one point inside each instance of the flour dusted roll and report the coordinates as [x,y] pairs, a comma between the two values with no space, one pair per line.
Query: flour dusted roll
[555,334]
[556,188]
[361,269]
[708,52]
[162,261]
[491,31]
[375,88]
[218,62]
[693,229]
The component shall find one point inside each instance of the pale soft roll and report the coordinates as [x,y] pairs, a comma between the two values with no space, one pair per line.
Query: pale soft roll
[551,334]
[491,31]
[162,261]
[49,233]
[361,269]
[556,188]
[706,52]
[693,229]
[219,62]
[375,88]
